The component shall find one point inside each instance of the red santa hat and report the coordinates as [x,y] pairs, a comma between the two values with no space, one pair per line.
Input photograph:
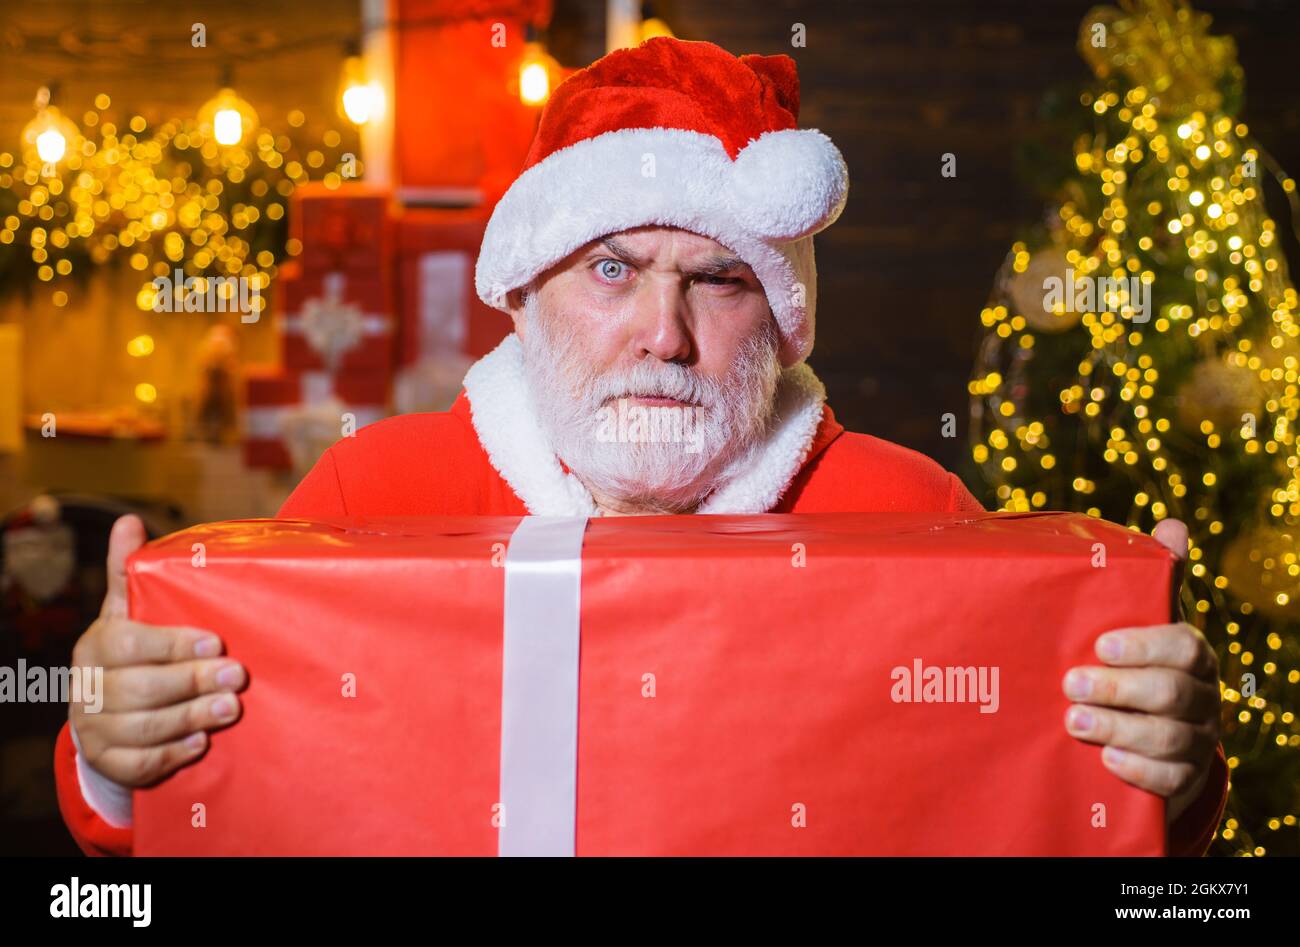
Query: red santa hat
[682,134]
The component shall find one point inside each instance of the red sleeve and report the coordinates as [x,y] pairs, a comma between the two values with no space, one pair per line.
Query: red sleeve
[320,493]
[961,500]
[91,833]
[1192,832]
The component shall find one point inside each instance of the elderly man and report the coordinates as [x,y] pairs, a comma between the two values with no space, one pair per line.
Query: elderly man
[656,257]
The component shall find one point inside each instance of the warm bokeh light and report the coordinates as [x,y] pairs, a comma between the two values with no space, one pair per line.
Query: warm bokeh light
[534,83]
[227,127]
[537,72]
[361,99]
[227,118]
[50,135]
[51,145]
[140,346]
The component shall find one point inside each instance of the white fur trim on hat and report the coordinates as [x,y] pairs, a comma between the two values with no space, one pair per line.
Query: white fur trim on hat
[765,206]
[507,425]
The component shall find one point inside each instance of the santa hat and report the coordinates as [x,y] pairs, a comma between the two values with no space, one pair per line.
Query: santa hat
[681,134]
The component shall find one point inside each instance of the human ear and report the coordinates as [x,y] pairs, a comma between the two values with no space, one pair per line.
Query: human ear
[515,304]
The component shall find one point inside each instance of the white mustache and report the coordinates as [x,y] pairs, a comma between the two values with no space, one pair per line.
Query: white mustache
[645,381]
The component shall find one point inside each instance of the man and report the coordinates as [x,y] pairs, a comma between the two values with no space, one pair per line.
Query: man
[656,257]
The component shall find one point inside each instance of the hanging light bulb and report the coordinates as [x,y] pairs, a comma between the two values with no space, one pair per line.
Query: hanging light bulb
[51,145]
[228,127]
[226,118]
[50,134]
[535,70]
[360,100]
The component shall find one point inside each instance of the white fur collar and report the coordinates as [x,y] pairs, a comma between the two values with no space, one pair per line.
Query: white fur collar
[510,432]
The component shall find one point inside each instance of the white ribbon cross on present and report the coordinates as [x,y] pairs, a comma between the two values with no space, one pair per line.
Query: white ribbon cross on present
[332,327]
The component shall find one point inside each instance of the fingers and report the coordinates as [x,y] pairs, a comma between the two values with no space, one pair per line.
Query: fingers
[127,536]
[1179,646]
[1153,690]
[1157,738]
[149,728]
[119,642]
[1162,777]
[147,687]
[132,766]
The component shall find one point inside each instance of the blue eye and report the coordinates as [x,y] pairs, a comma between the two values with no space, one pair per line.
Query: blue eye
[610,269]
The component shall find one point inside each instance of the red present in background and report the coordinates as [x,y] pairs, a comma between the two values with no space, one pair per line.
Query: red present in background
[345,228]
[834,684]
[330,320]
[440,311]
[280,403]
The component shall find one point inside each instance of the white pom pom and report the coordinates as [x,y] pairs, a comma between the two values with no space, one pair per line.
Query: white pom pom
[788,184]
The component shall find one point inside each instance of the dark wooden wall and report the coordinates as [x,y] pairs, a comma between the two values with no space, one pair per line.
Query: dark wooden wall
[903,274]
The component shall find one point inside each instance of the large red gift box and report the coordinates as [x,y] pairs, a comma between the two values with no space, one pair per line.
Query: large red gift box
[831,684]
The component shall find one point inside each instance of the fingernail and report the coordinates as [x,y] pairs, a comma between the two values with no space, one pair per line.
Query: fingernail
[1078,685]
[195,741]
[209,646]
[1113,756]
[1079,720]
[230,676]
[225,706]
[1110,647]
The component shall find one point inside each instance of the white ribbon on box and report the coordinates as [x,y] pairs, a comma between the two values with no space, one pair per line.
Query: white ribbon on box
[539,687]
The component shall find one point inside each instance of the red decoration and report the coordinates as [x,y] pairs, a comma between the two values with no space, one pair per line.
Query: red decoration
[457,102]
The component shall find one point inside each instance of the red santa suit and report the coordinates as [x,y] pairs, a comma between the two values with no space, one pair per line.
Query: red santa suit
[672,133]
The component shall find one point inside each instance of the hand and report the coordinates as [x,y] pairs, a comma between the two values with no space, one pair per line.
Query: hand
[163,688]
[1156,707]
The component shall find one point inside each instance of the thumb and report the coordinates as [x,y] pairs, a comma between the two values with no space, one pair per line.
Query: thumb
[127,536]
[1172,534]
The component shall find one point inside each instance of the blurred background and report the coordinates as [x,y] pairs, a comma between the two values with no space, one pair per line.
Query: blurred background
[223,225]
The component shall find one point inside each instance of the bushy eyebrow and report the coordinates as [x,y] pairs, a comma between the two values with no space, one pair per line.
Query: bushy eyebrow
[712,267]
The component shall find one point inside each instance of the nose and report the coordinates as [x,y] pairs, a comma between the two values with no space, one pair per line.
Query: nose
[661,327]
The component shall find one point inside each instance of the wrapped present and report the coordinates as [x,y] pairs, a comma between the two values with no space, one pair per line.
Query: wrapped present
[831,684]
[440,312]
[330,320]
[345,228]
[291,417]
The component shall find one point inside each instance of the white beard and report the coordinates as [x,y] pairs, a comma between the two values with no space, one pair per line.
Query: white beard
[575,403]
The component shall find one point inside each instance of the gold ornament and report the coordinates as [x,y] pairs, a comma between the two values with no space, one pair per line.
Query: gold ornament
[1262,567]
[1027,290]
[1221,393]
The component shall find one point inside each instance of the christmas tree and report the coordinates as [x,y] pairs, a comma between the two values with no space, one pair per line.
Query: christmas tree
[1141,360]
